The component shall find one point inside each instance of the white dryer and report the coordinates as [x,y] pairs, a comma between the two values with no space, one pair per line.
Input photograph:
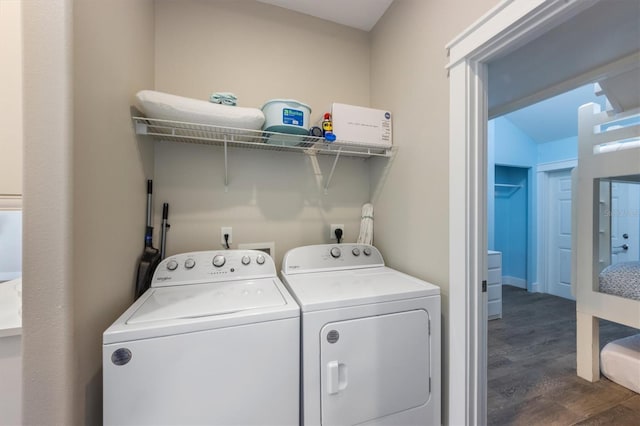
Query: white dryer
[370,338]
[214,341]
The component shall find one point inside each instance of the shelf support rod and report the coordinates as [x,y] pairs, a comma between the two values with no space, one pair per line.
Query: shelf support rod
[333,169]
[226,170]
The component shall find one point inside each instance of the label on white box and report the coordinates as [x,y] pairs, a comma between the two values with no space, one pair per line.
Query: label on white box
[360,124]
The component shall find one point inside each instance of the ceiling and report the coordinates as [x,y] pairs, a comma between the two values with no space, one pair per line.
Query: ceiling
[537,86]
[360,14]
[557,117]
[554,118]
[575,52]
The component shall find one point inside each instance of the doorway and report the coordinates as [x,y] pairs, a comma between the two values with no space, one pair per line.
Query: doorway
[505,29]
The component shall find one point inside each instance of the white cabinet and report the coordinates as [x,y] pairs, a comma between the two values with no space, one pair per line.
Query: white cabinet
[494,284]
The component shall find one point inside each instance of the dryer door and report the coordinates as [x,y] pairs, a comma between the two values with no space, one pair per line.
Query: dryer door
[374,367]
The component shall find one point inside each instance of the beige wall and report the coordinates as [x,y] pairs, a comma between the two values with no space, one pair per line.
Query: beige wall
[113,59]
[408,77]
[259,52]
[11,98]
[84,194]
[47,287]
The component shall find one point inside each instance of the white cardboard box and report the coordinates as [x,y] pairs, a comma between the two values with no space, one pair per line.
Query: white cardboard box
[363,125]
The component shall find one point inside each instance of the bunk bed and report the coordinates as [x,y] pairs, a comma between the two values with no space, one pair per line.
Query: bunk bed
[608,151]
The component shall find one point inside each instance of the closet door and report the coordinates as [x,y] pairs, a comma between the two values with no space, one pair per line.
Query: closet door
[559,259]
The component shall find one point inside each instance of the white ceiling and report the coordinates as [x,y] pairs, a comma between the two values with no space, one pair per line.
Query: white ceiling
[602,34]
[583,49]
[360,14]
[554,118]
[557,117]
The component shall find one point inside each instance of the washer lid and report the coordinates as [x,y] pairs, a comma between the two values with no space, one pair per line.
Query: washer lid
[336,289]
[204,300]
[166,311]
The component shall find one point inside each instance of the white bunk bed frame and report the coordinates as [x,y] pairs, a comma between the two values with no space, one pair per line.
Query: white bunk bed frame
[589,231]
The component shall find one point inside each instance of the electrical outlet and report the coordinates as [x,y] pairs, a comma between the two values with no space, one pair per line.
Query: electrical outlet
[332,231]
[226,230]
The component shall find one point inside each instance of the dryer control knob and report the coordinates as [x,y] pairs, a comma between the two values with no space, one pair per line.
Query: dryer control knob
[172,265]
[219,261]
[260,259]
[246,260]
[189,263]
[335,252]
[356,251]
[366,251]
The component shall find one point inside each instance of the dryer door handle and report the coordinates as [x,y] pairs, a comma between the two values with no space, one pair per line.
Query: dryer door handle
[336,377]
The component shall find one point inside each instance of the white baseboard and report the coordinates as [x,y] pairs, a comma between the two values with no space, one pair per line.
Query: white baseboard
[536,288]
[514,281]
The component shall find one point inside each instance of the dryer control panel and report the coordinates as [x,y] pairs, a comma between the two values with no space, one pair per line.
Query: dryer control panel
[331,257]
[212,266]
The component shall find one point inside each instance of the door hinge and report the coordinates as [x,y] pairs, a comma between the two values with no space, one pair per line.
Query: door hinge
[484,286]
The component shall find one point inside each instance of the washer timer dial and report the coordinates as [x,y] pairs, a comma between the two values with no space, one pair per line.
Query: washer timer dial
[219,261]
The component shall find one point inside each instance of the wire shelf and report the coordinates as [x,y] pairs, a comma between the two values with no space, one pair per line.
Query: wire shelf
[178,131]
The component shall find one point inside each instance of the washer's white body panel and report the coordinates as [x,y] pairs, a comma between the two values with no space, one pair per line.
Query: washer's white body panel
[216,346]
[370,339]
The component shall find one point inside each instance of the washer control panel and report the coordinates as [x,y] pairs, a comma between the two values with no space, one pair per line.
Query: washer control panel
[327,257]
[213,266]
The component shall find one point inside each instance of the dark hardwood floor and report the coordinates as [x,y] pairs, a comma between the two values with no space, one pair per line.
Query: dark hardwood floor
[532,367]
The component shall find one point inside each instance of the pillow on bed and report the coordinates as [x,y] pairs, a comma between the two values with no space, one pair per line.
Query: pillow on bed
[165,106]
[621,279]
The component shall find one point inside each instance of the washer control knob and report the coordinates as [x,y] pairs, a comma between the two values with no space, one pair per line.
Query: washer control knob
[366,251]
[260,259]
[356,251]
[172,265]
[219,260]
[246,260]
[189,263]
[335,252]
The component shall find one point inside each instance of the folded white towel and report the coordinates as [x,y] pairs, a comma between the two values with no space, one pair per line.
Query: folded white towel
[224,98]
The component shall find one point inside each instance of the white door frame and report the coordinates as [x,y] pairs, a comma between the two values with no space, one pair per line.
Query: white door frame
[506,27]
[543,170]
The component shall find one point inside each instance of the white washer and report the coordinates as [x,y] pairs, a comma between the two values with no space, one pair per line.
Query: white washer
[370,338]
[214,341]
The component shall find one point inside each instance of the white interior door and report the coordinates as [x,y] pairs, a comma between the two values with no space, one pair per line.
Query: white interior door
[625,222]
[559,237]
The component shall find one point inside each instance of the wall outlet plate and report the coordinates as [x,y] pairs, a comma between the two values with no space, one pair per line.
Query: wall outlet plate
[332,231]
[226,230]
